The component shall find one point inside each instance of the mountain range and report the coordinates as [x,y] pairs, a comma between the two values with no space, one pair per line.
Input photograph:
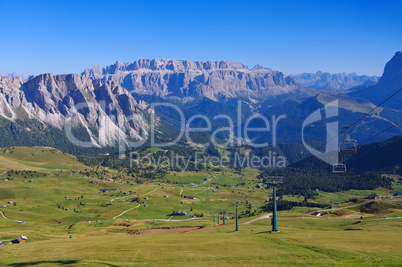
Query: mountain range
[325,80]
[106,105]
[104,110]
[187,80]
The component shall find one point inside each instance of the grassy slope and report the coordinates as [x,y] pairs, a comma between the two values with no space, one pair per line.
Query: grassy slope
[301,241]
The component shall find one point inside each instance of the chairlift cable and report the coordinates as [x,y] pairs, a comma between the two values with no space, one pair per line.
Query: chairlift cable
[380,132]
[375,107]
[341,167]
[347,127]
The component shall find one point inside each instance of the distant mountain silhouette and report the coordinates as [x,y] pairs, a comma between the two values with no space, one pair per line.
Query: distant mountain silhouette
[324,80]
[389,83]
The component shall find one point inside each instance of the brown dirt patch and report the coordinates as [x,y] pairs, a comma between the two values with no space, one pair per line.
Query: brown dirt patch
[166,230]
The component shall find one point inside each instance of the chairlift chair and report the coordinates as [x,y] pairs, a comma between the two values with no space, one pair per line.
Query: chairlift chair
[339,168]
[348,146]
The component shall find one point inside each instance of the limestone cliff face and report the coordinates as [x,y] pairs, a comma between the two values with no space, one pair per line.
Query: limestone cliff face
[389,83]
[191,80]
[107,111]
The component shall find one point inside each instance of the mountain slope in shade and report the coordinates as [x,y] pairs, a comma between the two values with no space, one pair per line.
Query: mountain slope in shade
[324,80]
[376,156]
[105,110]
[389,83]
[99,107]
[191,80]
[289,129]
[384,155]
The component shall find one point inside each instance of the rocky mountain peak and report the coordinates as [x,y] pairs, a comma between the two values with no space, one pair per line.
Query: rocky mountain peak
[259,67]
[164,65]
[190,80]
[392,76]
[92,105]
[389,83]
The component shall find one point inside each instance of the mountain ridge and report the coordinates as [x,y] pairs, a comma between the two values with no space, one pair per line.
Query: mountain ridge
[191,80]
[325,80]
[110,111]
[105,109]
[389,83]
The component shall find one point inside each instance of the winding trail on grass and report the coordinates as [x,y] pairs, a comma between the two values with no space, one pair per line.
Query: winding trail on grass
[350,206]
[133,207]
[131,195]
[5,217]
[202,190]
[126,211]
[169,220]
[119,198]
[151,191]
[265,216]
[344,220]
[262,186]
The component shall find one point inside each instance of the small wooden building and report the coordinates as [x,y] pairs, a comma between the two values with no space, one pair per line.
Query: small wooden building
[22,239]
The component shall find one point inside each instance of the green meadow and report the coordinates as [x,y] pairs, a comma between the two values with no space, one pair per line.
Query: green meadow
[56,197]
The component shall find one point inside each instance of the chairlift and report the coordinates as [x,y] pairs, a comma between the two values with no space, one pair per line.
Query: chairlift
[347,146]
[339,168]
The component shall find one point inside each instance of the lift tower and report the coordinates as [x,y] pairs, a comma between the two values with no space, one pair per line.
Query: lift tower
[274,181]
[237,203]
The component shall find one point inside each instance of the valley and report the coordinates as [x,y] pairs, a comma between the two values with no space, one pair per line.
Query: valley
[200,133]
[70,211]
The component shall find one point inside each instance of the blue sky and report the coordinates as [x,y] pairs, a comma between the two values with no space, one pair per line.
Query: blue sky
[290,36]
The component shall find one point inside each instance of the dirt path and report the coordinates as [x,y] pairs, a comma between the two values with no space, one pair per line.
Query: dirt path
[347,220]
[262,186]
[352,215]
[126,211]
[266,216]
[200,189]
[119,198]
[151,191]
[131,195]
[133,207]
[171,230]
[5,217]
[351,206]
[169,220]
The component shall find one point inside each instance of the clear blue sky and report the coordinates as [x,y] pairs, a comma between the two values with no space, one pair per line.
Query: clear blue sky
[290,36]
